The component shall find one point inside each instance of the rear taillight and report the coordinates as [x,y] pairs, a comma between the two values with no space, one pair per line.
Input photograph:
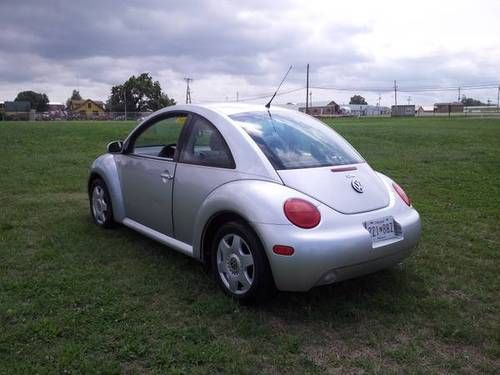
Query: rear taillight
[301,213]
[402,193]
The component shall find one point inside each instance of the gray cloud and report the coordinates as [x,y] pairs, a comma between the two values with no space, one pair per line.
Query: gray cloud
[56,45]
[65,30]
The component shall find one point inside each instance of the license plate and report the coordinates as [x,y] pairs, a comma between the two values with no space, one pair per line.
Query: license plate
[381,229]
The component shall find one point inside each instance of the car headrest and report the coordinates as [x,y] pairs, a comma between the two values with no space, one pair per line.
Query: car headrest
[216,143]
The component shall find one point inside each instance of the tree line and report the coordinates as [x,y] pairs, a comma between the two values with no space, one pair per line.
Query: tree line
[136,94]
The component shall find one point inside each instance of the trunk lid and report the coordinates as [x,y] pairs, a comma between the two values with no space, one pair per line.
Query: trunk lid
[337,187]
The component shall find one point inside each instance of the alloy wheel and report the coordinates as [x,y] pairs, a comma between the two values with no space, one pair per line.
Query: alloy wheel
[99,204]
[235,264]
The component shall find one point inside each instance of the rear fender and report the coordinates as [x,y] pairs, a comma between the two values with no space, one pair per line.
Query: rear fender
[256,201]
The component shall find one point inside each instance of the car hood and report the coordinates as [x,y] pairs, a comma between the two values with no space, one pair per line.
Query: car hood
[333,186]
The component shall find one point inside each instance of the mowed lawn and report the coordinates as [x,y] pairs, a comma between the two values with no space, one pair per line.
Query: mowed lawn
[75,298]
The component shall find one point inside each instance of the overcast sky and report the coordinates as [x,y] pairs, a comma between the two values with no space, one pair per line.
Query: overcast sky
[246,46]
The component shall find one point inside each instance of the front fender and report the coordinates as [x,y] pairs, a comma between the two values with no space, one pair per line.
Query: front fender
[105,167]
[257,201]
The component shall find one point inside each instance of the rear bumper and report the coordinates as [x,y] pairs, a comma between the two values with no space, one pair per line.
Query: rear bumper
[339,248]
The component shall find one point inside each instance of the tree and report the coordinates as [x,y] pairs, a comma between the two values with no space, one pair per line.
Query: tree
[357,99]
[74,96]
[140,94]
[469,102]
[39,102]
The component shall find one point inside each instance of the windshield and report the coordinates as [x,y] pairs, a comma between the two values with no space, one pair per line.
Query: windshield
[292,141]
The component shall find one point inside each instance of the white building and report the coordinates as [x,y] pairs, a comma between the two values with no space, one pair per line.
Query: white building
[365,110]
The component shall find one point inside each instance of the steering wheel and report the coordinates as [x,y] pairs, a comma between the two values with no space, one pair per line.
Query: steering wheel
[168,151]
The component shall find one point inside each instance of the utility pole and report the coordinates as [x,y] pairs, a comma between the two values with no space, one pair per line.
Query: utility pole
[188,90]
[458,95]
[310,98]
[237,96]
[498,99]
[125,100]
[379,99]
[395,93]
[307,89]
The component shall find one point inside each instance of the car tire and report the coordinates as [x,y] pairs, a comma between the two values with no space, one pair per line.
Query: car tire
[240,264]
[101,208]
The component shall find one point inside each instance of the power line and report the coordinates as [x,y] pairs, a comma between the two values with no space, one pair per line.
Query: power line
[409,89]
[398,89]
[259,96]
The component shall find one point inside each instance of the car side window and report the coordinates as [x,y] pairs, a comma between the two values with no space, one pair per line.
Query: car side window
[160,139]
[206,146]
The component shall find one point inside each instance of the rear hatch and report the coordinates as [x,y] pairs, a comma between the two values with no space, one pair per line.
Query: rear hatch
[349,189]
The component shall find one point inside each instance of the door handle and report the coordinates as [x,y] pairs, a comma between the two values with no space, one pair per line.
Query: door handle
[166,176]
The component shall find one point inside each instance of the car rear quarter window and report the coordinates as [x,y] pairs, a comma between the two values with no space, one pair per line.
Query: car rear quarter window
[205,146]
[292,141]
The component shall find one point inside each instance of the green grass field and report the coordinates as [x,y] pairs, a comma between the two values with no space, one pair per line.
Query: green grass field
[75,298]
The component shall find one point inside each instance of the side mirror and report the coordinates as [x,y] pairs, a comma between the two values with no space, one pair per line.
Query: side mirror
[115,147]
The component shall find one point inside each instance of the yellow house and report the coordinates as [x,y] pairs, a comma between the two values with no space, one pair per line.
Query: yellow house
[87,107]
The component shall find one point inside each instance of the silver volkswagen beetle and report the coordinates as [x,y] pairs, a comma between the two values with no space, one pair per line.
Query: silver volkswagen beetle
[265,198]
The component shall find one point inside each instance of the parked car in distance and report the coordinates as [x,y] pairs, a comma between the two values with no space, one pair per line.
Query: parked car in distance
[265,198]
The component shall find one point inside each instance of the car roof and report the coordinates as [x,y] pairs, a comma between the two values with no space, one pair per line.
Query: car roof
[229,108]
[232,108]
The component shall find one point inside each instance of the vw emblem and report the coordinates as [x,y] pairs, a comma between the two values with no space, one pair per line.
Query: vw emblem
[356,185]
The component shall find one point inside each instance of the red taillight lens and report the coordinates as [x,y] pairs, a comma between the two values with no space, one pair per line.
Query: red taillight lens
[301,213]
[283,250]
[402,193]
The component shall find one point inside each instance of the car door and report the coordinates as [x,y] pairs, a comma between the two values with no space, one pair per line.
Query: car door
[147,169]
[205,162]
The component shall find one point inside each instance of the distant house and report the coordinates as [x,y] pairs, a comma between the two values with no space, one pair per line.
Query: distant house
[329,109]
[405,110]
[452,107]
[87,107]
[332,108]
[424,110]
[481,109]
[17,110]
[55,106]
[17,106]
[365,110]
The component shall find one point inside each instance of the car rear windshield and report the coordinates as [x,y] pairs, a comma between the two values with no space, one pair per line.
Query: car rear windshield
[292,141]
